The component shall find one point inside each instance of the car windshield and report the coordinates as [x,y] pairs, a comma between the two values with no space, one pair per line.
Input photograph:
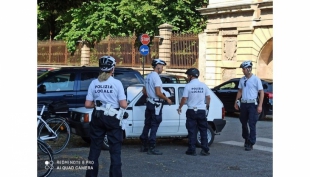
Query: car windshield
[128,78]
[42,77]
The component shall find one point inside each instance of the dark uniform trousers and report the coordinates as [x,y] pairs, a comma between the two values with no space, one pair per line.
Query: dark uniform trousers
[99,126]
[248,115]
[197,121]
[152,122]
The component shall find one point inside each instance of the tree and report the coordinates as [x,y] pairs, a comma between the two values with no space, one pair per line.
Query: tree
[48,11]
[146,16]
[94,20]
[89,23]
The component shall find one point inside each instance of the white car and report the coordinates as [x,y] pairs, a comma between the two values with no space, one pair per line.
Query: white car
[172,125]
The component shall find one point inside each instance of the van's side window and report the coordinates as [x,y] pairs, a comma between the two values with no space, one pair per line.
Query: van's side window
[127,79]
[171,91]
[60,82]
[86,78]
[230,85]
[180,94]
[141,101]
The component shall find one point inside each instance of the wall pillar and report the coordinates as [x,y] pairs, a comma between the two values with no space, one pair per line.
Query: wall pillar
[202,56]
[165,32]
[85,54]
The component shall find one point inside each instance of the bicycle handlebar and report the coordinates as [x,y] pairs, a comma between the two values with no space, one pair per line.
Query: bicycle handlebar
[48,102]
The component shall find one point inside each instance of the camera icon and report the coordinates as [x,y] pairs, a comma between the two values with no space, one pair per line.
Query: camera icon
[49,164]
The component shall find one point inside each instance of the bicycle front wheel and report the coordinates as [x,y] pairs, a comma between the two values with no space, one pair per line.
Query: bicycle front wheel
[45,164]
[58,139]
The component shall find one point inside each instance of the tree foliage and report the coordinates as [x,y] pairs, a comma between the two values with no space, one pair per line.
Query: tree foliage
[48,12]
[91,21]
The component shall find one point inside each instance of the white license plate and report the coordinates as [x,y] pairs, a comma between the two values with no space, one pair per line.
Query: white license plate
[73,130]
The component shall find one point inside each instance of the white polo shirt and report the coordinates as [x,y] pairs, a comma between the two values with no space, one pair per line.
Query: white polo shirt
[151,81]
[251,88]
[196,93]
[109,91]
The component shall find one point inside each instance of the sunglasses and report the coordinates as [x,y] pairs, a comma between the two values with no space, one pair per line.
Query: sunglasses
[245,83]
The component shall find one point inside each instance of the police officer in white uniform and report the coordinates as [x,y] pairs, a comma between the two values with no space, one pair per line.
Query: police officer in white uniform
[197,95]
[106,95]
[250,107]
[153,111]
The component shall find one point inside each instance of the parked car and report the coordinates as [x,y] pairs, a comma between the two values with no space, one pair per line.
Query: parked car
[70,84]
[172,78]
[172,125]
[227,92]
[41,70]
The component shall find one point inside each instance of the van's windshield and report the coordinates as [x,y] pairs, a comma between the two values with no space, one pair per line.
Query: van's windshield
[47,74]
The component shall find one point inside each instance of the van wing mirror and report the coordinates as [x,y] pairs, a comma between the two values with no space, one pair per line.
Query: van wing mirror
[42,89]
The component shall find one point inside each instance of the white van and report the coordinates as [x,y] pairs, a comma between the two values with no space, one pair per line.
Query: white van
[172,125]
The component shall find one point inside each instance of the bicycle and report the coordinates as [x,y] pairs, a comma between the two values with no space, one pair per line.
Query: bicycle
[54,131]
[45,160]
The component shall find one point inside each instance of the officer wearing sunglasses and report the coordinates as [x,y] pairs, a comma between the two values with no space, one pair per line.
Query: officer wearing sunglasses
[249,87]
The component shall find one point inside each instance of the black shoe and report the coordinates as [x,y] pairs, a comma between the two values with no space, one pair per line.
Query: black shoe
[193,153]
[245,143]
[153,151]
[204,153]
[143,148]
[249,147]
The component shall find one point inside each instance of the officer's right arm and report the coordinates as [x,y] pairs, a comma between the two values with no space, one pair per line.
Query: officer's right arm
[89,104]
[89,97]
[123,104]
[208,99]
[161,95]
[237,98]
[144,91]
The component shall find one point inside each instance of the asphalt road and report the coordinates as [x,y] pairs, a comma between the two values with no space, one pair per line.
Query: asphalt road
[228,157]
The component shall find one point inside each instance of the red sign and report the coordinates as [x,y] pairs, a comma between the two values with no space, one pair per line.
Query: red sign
[145,39]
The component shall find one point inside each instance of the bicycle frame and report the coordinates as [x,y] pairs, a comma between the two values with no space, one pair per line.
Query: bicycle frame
[50,130]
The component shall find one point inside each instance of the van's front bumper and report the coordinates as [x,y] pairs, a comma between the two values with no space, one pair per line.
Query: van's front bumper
[79,128]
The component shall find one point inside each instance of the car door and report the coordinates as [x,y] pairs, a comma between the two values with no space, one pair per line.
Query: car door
[170,119]
[227,93]
[59,87]
[137,107]
[84,80]
[182,116]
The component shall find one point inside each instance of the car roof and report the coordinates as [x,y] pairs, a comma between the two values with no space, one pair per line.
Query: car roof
[123,69]
[166,74]
[172,75]
[267,80]
[263,79]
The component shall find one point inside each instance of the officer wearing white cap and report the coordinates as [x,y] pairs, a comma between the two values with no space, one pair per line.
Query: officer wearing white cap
[249,86]
[107,96]
[153,112]
[197,95]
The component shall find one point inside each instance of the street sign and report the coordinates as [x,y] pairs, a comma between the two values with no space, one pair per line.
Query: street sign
[144,49]
[145,39]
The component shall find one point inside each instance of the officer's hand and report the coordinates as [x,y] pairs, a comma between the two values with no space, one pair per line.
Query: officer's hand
[236,106]
[259,109]
[169,101]
[179,111]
